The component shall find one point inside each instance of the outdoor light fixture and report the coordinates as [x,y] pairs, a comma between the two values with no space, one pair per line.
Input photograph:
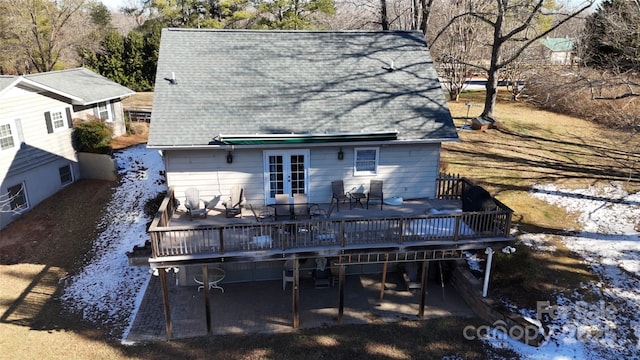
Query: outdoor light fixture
[229,157]
[340,154]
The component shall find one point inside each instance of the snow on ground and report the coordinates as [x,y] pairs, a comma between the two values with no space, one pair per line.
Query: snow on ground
[107,288]
[610,245]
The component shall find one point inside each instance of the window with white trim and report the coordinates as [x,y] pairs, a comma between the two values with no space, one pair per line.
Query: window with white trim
[104,112]
[365,161]
[17,197]
[7,137]
[66,177]
[57,120]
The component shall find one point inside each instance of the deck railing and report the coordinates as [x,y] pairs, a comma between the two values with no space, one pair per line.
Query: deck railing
[337,234]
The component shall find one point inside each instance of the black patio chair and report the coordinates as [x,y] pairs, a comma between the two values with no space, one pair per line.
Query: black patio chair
[375,192]
[337,187]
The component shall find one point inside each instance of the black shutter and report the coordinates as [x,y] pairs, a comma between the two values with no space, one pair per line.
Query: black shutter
[47,118]
[69,120]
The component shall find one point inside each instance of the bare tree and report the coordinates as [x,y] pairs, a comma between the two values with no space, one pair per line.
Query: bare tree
[459,45]
[511,24]
[43,33]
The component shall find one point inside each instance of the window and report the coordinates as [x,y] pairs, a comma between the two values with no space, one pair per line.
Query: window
[17,197]
[7,137]
[103,111]
[65,175]
[57,120]
[365,161]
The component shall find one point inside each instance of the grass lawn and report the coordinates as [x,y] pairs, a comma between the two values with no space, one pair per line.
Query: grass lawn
[528,147]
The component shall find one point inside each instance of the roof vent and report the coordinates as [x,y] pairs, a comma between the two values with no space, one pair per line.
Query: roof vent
[172,80]
[390,67]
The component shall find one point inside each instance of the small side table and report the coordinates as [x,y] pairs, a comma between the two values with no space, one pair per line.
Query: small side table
[356,197]
[215,275]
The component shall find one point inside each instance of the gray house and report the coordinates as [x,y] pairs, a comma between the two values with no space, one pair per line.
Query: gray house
[36,117]
[287,113]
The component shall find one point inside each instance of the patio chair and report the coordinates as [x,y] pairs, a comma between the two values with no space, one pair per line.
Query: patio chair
[375,192]
[260,216]
[321,274]
[195,206]
[282,207]
[236,202]
[301,210]
[287,274]
[337,188]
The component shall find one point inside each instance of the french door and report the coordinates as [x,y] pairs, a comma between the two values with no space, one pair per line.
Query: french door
[285,172]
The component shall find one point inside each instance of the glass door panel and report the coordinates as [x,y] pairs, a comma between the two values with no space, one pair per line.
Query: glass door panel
[286,172]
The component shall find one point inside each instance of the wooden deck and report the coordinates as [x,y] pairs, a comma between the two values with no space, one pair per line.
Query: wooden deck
[416,225]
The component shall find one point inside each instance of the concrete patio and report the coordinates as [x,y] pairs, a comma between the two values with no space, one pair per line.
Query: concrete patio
[263,307]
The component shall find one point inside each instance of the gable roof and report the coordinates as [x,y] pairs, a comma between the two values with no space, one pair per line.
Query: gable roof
[558,44]
[80,85]
[213,82]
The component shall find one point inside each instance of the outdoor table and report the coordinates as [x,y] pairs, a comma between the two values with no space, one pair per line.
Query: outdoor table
[356,197]
[216,275]
[282,211]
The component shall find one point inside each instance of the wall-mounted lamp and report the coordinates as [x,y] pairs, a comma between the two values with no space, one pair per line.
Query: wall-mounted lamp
[340,154]
[229,157]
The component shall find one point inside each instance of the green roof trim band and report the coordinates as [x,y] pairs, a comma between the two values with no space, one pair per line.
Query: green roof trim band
[304,138]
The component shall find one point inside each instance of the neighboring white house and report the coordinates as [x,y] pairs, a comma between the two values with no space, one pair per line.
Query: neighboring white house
[37,157]
[558,51]
[291,111]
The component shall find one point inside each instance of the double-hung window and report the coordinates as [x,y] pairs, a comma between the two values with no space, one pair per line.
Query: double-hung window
[7,137]
[57,120]
[104,112]
[365,161]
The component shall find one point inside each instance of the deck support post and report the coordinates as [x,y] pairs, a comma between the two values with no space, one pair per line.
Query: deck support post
[341,292]
[165,300]
[441,279]
[207,304]
[487,271]
[295,293]
[423,288]
[384,275]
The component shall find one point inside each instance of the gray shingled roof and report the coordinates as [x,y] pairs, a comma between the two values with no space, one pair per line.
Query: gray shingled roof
[83,84]
[283,82]
[5,81]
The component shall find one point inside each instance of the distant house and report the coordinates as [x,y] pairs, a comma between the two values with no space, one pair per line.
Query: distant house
[559,51]
[37,157]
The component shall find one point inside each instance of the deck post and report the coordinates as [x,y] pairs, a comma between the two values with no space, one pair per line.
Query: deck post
[165,300]
[207,304]
[341,292]
[487,271]
[295,289]
[423,288]
[384,275]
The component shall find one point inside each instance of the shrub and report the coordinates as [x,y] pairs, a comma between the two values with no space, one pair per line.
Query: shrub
[608,100]
[92,136]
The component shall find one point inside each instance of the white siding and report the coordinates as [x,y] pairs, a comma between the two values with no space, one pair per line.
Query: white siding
[37,160]
[408,171]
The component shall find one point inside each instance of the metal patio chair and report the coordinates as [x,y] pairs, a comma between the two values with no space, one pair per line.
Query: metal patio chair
[375,192]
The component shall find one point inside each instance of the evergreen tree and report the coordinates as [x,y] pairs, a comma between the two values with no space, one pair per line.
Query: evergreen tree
[612,36]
